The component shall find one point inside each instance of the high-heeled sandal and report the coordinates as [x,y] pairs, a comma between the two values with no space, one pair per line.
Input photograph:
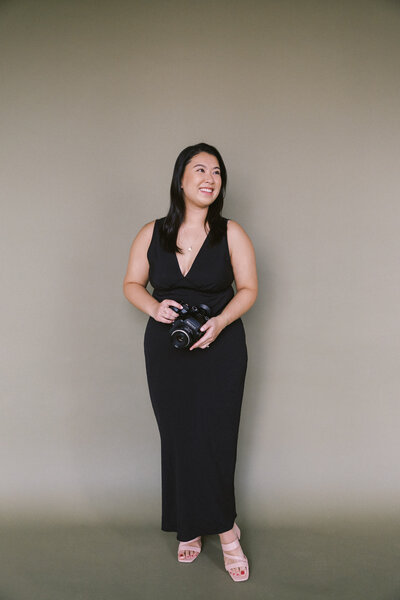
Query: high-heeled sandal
[241,561]
[186,546]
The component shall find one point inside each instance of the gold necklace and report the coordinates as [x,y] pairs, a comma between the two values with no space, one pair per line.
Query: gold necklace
[190,248]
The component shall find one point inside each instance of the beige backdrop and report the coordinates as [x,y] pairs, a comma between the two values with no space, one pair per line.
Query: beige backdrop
[302,98]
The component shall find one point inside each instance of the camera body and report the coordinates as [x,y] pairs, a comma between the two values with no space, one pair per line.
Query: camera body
[185,331]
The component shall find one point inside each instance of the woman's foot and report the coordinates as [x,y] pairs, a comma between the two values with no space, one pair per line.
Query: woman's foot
[234,554]
[186,550]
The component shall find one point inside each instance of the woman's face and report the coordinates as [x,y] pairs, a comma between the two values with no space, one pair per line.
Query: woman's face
[201,180]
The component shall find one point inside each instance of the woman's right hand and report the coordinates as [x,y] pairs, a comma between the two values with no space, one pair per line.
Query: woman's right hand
[164,314]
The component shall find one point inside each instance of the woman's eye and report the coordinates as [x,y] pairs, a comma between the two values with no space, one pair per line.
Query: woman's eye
[201,169]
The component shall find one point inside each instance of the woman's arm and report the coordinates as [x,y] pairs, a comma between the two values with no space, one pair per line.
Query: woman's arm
[137,277]
[243,261]
[137,273]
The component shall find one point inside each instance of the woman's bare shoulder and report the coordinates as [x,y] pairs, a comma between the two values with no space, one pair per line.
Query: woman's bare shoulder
[148,227]
[235,230]
[238,240]
[145,233]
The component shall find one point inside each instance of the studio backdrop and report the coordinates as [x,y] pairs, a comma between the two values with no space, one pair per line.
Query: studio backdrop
[302,99]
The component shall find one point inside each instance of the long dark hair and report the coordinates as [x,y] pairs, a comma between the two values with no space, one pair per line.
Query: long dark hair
[176,213]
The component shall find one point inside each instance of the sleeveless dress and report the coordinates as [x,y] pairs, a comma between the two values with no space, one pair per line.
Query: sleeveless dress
[196,395]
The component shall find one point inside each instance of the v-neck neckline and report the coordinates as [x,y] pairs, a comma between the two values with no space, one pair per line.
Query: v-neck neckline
[195,258]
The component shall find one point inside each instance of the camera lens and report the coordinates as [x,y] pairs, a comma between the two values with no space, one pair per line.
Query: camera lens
[180,339]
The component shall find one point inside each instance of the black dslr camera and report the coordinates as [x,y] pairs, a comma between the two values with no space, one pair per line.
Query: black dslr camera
[185,331]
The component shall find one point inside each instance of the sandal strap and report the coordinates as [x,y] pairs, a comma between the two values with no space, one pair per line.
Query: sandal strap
[237,556]
[237,563]
[231,545]
[187,547]
[193,540]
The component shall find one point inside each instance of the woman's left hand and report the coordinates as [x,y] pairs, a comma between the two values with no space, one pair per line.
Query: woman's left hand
[212,328]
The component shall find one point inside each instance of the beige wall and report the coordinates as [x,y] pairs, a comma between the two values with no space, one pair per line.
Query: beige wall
[302,99]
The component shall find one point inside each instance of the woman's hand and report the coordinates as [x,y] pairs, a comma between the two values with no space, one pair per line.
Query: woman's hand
[212,328]
[164,314]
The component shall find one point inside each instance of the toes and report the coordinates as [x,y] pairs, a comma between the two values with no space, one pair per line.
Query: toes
[238,571]
[188,554]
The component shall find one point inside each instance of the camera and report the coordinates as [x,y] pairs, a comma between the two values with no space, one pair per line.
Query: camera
[185,331]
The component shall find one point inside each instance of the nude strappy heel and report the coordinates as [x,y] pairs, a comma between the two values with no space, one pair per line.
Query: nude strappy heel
[186,546]
[240,561]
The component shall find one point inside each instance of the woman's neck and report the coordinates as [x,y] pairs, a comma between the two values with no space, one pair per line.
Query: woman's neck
[194,219]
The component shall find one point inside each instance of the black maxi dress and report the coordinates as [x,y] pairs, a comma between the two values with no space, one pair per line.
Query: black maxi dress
[196,395]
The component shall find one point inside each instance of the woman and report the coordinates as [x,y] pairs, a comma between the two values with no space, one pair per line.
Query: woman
[192,256]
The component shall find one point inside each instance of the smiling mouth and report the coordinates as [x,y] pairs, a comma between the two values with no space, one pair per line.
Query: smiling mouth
[206,190]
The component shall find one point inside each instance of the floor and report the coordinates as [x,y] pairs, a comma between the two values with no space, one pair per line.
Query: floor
[129,561]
